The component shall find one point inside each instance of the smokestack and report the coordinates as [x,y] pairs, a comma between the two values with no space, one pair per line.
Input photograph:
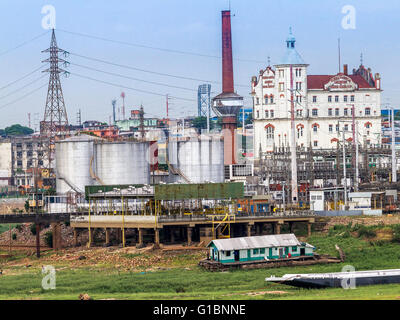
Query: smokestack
[345,69]
[228,104]
[227,63]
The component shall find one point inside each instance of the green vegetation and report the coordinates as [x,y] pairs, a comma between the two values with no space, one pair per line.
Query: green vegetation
[181,278]
[5,227]
[15,130]
[48,238]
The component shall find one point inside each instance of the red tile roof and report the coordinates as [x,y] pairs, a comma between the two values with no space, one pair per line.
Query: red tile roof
[318,81]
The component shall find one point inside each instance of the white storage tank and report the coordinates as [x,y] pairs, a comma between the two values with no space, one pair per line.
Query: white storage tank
[124,162]
[199,159]
[73,156]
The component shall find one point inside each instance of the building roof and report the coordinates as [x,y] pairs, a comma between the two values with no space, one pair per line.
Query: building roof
[319,81]
[276,240]
[291,55]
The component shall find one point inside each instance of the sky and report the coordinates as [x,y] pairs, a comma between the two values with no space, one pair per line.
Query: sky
[180,38]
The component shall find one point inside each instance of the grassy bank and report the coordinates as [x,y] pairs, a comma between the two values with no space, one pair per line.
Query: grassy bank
[182,279]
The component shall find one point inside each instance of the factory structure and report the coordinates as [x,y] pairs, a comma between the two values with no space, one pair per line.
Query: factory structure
[315,148]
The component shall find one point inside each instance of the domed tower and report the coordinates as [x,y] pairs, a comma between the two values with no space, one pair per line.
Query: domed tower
[227,104]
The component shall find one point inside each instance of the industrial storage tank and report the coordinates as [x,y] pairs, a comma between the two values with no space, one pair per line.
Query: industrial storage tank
[73,156]
[197,159]
[122,162]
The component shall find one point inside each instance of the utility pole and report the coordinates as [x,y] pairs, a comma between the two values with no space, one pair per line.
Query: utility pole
[293,142]
[37,224]
[344,172]
[113,102]
[123,105]
[356,178]
[394,160]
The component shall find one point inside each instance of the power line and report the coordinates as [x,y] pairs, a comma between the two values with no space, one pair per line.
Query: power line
[19,89]
[22,78]
[136,79]
[24,96]
[24,43]
[148,71]
[154,48]
[129,88]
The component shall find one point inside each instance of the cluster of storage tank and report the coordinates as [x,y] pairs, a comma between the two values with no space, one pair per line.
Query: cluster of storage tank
[199,159]
[85,160]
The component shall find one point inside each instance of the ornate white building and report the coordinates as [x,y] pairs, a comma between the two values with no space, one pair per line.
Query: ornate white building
[323,105]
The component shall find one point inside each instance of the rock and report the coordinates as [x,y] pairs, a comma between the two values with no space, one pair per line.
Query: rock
[82,258]
[84,296]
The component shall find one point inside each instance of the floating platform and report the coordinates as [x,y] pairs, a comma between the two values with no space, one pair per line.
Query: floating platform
[213,265]
[339,279]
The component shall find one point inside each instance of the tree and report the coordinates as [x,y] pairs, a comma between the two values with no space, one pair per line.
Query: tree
[17,130]
[200,123]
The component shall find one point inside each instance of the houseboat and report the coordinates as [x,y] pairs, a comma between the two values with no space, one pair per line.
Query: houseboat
[259,248]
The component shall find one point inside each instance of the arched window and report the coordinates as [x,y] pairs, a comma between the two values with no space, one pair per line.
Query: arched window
[270,130]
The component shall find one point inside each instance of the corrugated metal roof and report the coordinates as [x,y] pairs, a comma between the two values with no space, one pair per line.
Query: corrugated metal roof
[276,240]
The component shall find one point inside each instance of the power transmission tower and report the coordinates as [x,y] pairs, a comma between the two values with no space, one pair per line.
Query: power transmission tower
[55,122]
[204,102]
[141,115]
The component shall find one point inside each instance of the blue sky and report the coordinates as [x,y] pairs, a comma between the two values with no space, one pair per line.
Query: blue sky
[260,28]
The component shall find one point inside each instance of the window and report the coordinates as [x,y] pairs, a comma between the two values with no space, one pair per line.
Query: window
[315,129]
[271,113]
[345,111]
[228,253]
[352,98]
[329,112]
[299,132]
[345,98]
[314,99]
[258,114]
[258,101]
[330,128]
[346,127]
[298,86]
[367,111]
[266,113]
[271,99]
[294,249]
[255,251]
[336,98]
[367,125]
[336,112]
[315,112]
[262,250]
[270,133]
[299,113]
[315,143]
[298,99]
[281,73]
[337,128]
[281,87]
[266,100]
[329,98]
